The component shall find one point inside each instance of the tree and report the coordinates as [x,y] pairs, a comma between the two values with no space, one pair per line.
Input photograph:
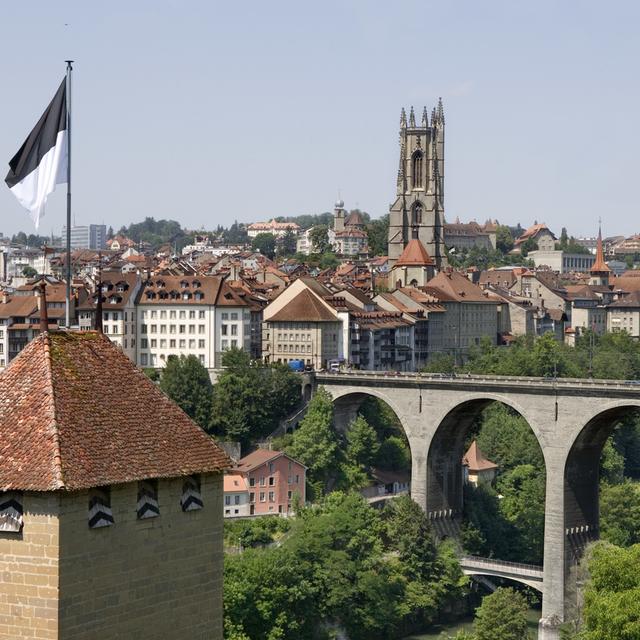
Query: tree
[504,239]
[29,272]
[287,244]
[110,233]
[362,442]
[611,599]
[265,243]
[319,237]
[378,234]
[620,513]
[250,398]
[502,616]
[315,443]
[394,454]
[186,381]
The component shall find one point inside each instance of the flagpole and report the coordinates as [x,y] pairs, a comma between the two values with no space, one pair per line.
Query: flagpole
[68,301]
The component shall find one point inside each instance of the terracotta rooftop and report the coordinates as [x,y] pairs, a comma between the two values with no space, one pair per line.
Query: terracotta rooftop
[475,461]
[453,286]
[76,413]
[305,307]
[414,255]
[257,458]
[600,266]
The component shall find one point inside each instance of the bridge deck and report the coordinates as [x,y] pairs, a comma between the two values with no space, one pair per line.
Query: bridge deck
[490,566]
[376,377]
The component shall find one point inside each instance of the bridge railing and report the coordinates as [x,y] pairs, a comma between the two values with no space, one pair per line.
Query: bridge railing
[518,568]
[526,380]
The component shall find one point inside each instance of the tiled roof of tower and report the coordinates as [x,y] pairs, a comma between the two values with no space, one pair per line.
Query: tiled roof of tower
[414,255]
[76,413]
[600,266]
[474,459]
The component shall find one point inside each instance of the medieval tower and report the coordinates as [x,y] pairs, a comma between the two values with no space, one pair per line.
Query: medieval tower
[418,211]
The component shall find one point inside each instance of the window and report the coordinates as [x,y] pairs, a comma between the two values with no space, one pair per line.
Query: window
[11,511]
[172,344]
[272,496]
[163,315]
[191,496]
[289,494]
[227,500]
[172,328]
[154,343]
[225,316]
[192,344]
[100,514]
[105,316]
[201,328]
[234,344]
[297,479]
[163,328]
[192,314]
[163,344]
[224,345]
[154,328]
[234,329]
[147,506]
[201,344]
[262,481]
[154,314]
[172,315]
[252,497]
[416,214]
[236,500]
[262,496]
[272,481]
[271,467]
[144,360]
[183,315]
[201,358]
[252,482]
[223,330]
[234,316]
[290,480]
[182,344]
[192,328]
[182,328]
[201,314]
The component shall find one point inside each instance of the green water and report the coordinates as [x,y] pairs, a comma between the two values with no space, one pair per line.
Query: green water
[447,630]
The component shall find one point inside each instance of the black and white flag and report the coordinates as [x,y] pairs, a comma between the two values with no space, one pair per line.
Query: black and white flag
[41,162]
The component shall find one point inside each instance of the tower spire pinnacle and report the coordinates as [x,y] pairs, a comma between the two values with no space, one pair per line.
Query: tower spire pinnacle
[440,111]
[403,118]
[600,266]
[425,117]
[412,118]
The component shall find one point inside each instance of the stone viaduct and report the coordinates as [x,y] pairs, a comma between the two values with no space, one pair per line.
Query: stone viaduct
[571,418]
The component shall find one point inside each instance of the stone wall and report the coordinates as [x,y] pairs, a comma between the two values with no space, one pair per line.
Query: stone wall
[153,579]
[29,572]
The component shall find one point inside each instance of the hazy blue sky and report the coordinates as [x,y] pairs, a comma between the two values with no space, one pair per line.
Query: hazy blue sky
[207,112]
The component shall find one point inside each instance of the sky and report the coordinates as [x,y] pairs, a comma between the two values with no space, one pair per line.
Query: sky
[208,112]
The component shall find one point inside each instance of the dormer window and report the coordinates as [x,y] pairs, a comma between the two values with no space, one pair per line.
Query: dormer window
[151,295]
[186,296]
[191,499]
[100,514]
[196,283]
[147,506]
[184,284]
[160,284]
[198,295]
[11,511]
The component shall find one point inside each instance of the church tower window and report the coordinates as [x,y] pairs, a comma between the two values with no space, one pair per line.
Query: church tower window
[417,170]
[416,214]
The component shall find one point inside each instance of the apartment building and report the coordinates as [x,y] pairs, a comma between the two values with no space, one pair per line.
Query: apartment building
[275,481]
[188,315]
[119,292]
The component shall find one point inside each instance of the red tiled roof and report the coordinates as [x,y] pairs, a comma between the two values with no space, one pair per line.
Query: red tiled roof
[414,255]
[305,307]
[257,458]
[474,459]
[76,413]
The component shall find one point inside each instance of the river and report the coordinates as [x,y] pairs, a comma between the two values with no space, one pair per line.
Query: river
[449,630]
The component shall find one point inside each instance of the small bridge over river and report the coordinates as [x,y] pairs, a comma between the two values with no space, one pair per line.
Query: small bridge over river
[528,574]
[570,418]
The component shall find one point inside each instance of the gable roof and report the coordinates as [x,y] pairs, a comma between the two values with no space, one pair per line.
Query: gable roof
[453,286]
[475,460]
[305,307]
[76,413]
[414,255]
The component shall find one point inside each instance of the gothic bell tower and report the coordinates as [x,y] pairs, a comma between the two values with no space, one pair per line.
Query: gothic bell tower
[418,210]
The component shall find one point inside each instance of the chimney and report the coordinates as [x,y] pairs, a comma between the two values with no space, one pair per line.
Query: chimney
[44,317]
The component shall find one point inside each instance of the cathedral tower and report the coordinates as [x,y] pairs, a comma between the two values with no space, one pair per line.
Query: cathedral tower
[418,211]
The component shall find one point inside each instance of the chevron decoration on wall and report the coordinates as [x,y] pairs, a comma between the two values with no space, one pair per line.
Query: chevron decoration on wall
[147,506]
[191,496]
[100,514]
[10,511]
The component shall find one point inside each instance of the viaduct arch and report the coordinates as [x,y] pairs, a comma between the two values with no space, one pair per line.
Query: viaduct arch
[571,420]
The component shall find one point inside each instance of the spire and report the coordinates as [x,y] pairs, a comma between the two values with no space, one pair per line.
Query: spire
[440,111]
[403,119]
[412,118]
[434,119]
[44,315]
[425,117]
[600,266]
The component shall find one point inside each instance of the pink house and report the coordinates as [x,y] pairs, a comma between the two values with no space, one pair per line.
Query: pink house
[273,479]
